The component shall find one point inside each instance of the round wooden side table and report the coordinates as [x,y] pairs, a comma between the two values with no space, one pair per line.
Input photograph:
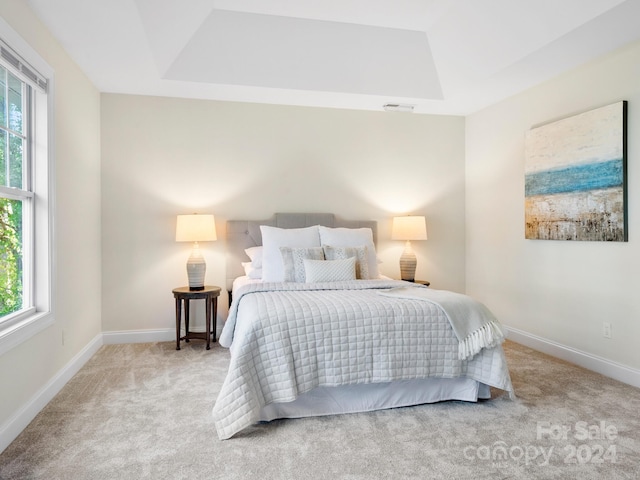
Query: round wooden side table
[184,295]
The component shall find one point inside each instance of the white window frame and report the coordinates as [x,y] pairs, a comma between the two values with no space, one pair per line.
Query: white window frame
[20,326]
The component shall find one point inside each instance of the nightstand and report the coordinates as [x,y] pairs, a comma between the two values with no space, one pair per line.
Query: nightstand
[185,295]
[422,282]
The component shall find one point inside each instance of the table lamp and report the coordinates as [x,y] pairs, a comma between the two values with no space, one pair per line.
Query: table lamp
[408,228]
[196,228]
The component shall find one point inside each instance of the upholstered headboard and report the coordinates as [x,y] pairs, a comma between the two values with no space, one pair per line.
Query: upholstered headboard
[242,234]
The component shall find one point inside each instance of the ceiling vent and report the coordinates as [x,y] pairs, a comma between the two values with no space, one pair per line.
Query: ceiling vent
[398,107]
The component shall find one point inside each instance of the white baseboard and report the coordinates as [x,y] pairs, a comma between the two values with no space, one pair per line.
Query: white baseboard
[143,336]
[139,336]
[19,421]
[589,361]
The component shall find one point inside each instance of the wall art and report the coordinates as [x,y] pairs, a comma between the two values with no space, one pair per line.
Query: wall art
[575,177]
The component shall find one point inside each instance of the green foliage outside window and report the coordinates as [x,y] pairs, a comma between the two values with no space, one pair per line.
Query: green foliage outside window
[12,141]
[10,256]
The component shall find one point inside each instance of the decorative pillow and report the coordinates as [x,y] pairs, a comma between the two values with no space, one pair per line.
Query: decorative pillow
[273,238]
[360,254]
[352,237]
[249,271]
[293,261]
[330,270]
[256,274]
[255,254]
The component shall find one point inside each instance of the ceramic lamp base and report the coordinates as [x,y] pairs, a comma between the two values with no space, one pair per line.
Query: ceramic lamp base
[196,268]
[408,264]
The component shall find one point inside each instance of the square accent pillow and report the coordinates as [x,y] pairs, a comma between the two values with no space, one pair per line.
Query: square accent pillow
[352,237]
[273,238]
[360,254]
[330,270]
[293,261]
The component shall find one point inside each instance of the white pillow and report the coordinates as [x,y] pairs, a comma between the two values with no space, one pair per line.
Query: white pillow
[360,254]
[352,237]
[249,271]
[273,238]
[255,254]
[330,270]
[247,267]
[293,261]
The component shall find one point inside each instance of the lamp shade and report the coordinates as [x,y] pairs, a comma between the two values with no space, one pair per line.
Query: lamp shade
[196,228]
[412,227]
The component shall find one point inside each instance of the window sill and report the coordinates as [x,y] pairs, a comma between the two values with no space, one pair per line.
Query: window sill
[22,329]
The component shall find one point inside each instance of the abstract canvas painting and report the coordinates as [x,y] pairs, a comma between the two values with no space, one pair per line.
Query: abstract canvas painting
[575,177]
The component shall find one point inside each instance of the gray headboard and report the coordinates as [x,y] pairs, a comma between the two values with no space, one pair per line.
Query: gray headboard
[243,234]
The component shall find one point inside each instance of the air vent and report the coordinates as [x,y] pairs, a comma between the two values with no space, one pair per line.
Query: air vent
[398,107]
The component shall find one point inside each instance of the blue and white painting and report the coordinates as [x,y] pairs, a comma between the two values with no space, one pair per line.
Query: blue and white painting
[575,185]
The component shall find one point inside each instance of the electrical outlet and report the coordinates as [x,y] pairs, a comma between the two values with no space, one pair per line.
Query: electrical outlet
[606,330]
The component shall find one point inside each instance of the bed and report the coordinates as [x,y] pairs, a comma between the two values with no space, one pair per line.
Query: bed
[314,329]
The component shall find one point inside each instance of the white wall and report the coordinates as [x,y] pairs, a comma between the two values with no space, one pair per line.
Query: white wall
[561,292]
[26,370]
[162,157]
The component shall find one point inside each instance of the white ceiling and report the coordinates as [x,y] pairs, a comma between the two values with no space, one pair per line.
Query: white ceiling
[443,56]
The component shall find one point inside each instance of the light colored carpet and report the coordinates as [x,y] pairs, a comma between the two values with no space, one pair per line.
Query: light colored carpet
[144,411]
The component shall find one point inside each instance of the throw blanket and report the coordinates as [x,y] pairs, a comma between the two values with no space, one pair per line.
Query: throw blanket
[474,325]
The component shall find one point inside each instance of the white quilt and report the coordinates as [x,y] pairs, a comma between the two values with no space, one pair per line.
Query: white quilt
[288,338]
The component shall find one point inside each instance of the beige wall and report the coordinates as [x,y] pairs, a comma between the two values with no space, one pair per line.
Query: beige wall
[560,291]
[27,368]
[162,157]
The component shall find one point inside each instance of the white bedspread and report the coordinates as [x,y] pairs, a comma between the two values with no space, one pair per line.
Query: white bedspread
[288,338]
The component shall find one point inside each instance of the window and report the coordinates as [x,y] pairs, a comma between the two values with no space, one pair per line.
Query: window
[25,206]
[15,192]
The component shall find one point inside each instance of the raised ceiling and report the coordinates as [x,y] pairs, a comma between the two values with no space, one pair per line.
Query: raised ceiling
[443,56]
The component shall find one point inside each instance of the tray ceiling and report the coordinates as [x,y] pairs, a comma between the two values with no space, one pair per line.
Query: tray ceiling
[443,56]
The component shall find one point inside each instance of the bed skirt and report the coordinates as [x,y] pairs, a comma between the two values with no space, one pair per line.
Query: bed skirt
[376,396]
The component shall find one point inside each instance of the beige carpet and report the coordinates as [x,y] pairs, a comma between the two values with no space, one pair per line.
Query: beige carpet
[144,411]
